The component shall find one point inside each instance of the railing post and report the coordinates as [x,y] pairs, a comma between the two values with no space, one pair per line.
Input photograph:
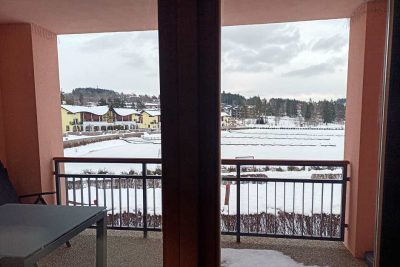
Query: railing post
[57,177]
[343,207]
[144,173]
[238,203]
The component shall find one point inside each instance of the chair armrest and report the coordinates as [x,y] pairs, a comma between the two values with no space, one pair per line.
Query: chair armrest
[78,203]
[37,194]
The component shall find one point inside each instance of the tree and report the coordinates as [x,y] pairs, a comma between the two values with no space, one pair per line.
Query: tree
[308,110]
[291,108]
[340,109]
[62,97]
[117,103]
[140,105]
[81,99]
[232,99]
[328,111]
[102,102]
[257,103]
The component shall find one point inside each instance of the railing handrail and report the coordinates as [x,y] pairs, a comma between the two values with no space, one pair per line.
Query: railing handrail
[285,162]
[282,162]
[107,160]
[240,166]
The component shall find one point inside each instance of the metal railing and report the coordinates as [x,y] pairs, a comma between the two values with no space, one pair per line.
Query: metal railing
[129,196]
[284,198]
[271,198]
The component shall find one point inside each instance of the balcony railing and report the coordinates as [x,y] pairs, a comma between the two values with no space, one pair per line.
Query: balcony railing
[272,198]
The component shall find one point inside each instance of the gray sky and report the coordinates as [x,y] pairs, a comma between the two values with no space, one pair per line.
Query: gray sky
[296,60]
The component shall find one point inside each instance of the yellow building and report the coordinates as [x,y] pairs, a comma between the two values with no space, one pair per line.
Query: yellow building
[71,119]
[81,118]
[150,119]
[225,119]
[126,118]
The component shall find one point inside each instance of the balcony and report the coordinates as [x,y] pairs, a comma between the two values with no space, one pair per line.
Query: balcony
[127,247]
[291,206]
[190,79]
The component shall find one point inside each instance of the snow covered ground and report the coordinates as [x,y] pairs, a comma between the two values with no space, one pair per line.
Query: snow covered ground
[75,137]
[317,144]
[83,136]
[132,198]
[255,198]
[256,258]
[252,143]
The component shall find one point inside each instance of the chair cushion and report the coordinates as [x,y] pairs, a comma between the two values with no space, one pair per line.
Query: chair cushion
[7,190]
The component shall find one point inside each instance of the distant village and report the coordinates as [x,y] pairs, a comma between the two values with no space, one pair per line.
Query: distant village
[94,110]
[103,118]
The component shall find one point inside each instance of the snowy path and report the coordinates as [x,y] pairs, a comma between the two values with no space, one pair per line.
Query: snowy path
[256,258]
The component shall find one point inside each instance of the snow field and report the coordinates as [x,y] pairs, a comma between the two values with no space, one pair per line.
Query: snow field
[256,258]
[255,198]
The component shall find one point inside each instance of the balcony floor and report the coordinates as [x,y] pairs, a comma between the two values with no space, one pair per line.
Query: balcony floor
[129,248]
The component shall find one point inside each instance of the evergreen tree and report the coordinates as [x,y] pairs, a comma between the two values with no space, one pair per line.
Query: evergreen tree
[81,99]
[117,103]
[308,111]
[140,105]
[328,111]
[102,102]
[291,108]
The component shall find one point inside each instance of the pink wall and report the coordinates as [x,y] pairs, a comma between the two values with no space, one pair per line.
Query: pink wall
[47,97]
[19,116]
[77,16]
[30,105]
[366,55]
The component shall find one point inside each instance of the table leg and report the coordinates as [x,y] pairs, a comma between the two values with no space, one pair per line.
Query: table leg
[101,243]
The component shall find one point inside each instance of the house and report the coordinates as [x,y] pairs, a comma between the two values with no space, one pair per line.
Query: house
[225,119]
[97,118]
[126,118]
[150,119]
[86,119]
[71,119]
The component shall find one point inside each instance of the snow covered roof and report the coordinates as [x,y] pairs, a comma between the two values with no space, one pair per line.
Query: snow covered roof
[152,112]
[126,111]
[96,110]
[224,114]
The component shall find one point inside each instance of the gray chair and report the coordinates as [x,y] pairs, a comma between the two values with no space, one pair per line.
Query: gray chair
[8,194]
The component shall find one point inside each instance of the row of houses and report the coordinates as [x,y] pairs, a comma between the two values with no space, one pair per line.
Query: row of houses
[102,118]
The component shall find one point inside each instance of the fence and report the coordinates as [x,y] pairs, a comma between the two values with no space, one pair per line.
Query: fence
[273,198]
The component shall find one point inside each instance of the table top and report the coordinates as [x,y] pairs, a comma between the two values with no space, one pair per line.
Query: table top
[25,228]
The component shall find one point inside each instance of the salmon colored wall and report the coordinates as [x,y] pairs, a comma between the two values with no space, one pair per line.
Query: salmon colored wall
[48,99]
[77,16]
[19,116]
[364,88]
[30,105]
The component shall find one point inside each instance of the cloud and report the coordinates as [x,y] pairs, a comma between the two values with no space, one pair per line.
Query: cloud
[313,70]
[340,61]
[333,43]
[119,41]
[268,60]
[104,42]
[245,49]
[257,36]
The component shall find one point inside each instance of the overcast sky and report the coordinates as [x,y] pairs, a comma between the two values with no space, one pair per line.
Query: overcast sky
[299,60]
